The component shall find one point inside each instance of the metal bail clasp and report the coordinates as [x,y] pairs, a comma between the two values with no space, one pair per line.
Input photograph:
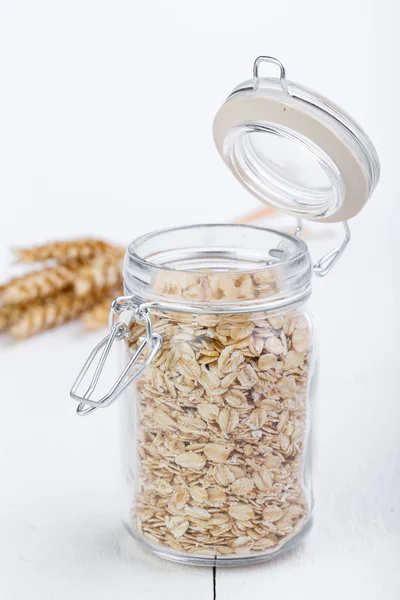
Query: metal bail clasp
[118,331]
[328,261]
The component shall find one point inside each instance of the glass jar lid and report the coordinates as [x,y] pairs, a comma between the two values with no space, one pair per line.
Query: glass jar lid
[295,150]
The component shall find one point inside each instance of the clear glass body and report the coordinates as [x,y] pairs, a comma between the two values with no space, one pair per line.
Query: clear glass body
[216,449]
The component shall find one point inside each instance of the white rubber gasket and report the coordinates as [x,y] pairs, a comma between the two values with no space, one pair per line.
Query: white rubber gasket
[248,107]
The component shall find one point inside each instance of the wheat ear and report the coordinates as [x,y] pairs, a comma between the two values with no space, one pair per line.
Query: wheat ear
[39,284]
[66,251]
[51,312]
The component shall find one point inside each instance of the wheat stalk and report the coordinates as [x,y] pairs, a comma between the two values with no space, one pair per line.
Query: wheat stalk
[66,251]
[50,312]
[86,276]
[39,284]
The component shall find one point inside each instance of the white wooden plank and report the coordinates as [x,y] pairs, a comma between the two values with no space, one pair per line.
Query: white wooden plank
[59,505]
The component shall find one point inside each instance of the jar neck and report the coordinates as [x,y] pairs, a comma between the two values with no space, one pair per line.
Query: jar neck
[218,269]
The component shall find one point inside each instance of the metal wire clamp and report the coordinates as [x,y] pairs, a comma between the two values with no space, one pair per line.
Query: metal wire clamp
[328,260]
[118,331]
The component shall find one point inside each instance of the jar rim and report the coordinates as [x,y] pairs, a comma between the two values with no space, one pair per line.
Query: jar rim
[133,248]
[218,268]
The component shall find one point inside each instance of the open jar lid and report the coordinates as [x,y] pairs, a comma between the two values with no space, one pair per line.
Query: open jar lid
[295,150]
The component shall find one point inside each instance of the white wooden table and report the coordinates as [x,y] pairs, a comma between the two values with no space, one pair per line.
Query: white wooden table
[87,147]
[59,518]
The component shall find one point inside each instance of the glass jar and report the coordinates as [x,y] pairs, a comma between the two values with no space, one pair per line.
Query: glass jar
[215,429]
[218,362]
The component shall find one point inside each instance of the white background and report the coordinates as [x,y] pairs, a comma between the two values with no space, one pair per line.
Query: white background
[106,111]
